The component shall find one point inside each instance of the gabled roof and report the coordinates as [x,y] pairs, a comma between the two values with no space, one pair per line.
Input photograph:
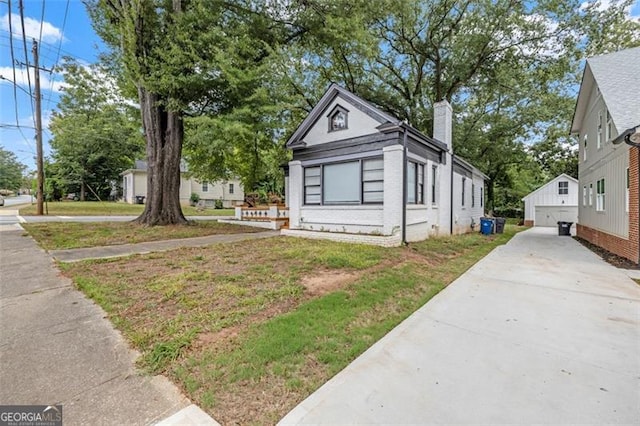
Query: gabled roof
[387,121]
[617,76]
[555,179]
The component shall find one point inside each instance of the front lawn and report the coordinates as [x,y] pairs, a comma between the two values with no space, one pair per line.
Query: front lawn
[250,329]
[67,235]
[109,208]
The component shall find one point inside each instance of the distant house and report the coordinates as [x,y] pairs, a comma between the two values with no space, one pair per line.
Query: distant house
[607,122]
[556,200]
[134,184]
[360,172]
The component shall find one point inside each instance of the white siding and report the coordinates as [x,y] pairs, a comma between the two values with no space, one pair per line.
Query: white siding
[609,162]
[472,211]
[614,219]
[547,195]
[358,124]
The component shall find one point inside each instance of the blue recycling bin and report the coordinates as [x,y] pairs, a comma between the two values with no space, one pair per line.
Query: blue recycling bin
[486,226]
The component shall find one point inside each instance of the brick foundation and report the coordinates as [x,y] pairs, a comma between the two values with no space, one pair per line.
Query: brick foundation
[528,223]
[627,248]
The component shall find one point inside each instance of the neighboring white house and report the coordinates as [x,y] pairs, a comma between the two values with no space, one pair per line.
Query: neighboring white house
[351,162]
[607,114]
[556,200]
[134,184]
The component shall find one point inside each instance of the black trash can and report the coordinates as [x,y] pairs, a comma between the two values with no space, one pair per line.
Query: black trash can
[140,199]
[500,221]
[564,228]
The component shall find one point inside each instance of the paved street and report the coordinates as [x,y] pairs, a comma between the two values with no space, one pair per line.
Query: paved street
[539,331]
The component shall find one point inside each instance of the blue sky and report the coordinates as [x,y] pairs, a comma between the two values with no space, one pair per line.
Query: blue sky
[73,37]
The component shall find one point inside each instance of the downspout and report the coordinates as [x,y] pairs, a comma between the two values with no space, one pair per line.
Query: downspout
[451,199]
[404,187]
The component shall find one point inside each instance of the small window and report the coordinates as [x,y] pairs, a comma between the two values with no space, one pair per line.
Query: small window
[434,174]
[626,199]
[563,188]
[312,185]
[600,195]
[590,194]
[584,195]
[338,119]
[205,186]
[609,128]
[473,194]
[464,184]
[584,149]
[231,188]
[599,140]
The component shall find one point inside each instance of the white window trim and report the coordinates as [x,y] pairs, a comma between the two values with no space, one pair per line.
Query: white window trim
[585,145]
[591,194]
[601,196]
[599,133]
[584,195]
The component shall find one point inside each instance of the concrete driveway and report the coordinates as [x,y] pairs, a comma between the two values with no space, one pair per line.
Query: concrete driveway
[539,331]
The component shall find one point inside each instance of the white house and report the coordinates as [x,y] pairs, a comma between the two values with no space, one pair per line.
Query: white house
[361,173]
[556,200]
[607,122]
[134,184]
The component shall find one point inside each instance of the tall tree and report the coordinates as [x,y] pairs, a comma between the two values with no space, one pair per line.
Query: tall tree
[96,134]
[11,171]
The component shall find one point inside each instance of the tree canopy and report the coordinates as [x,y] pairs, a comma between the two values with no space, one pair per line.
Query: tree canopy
[11,171]
[96,134]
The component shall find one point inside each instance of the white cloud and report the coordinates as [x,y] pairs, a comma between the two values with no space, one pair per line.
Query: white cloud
[50,33]
[46,82]
[602,5]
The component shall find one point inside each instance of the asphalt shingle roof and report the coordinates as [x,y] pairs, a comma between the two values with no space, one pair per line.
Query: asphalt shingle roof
[618,77]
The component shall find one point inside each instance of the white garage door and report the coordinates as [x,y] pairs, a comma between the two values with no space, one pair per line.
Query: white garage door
[551,215]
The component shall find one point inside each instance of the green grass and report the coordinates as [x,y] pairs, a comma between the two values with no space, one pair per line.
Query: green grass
[239,330]
[108,208]
[68,235]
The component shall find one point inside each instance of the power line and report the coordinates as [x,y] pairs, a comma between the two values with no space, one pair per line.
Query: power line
[26,57]
[41,22]
[13,65]
[64,23]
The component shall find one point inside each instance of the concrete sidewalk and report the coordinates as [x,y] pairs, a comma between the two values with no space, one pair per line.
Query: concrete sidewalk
[74,255]
[56,347]
[539,331]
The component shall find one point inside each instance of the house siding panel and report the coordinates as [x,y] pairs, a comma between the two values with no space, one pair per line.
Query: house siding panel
[614,219]
[358,124]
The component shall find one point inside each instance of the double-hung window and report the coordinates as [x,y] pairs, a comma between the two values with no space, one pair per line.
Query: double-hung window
[609,128]
[464,184]
[590,194]
[584,195]
[205,186]
[600,125]
[434,179]
[584,148]
[600,195]
[373,181]
[351,182]
[415,183]
[312,187]
[473,194]
[563,187]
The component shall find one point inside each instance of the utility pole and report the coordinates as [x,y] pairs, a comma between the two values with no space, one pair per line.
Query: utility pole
[38,107]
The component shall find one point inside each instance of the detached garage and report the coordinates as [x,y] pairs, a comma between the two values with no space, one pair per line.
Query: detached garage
[557,200]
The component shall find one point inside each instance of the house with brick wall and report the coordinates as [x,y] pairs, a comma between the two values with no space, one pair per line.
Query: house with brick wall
[607,123]
[360,174]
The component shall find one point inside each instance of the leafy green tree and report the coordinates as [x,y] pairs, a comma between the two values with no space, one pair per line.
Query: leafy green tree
[96,134]
[11,171]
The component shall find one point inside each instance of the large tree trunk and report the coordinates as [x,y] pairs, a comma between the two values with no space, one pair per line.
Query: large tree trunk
[164,134]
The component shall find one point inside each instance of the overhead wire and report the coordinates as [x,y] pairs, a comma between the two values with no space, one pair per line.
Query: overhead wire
[13,65]
[26,57]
